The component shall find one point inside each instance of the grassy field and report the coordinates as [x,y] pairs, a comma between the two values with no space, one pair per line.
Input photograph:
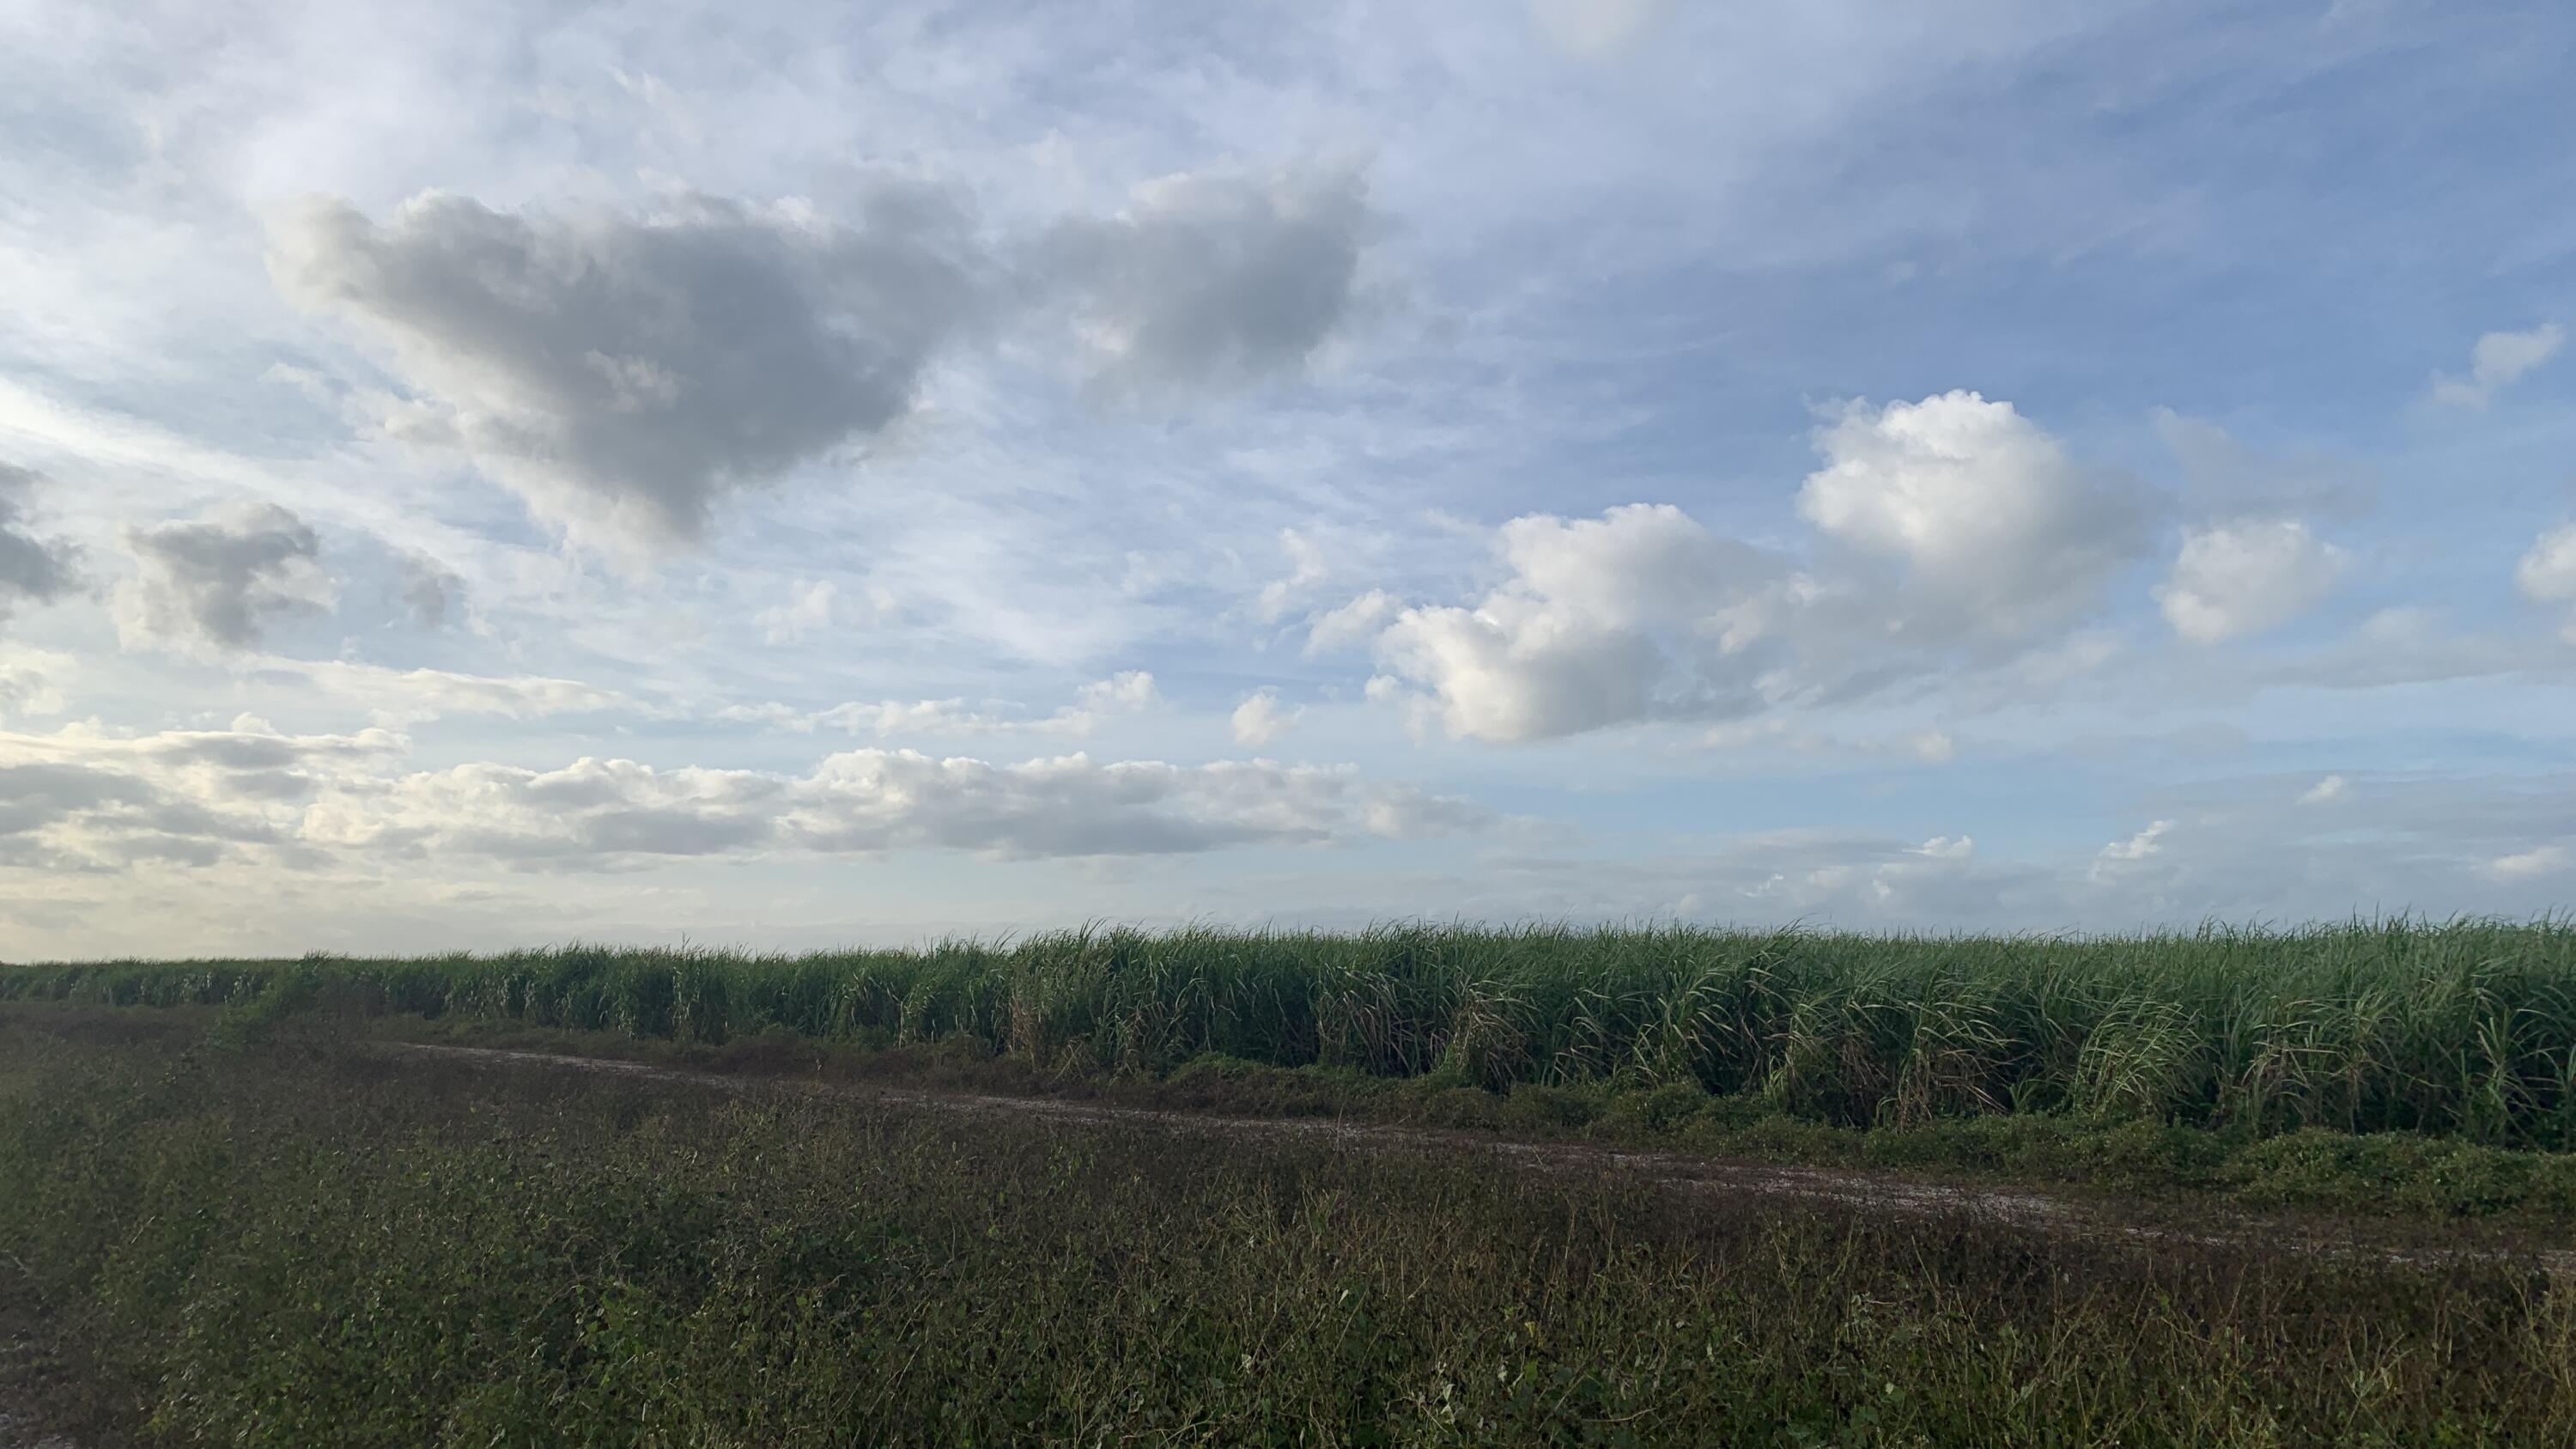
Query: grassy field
[2464,1030]
[294,1244]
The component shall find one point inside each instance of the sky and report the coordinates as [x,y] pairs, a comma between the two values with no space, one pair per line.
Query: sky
[793,475]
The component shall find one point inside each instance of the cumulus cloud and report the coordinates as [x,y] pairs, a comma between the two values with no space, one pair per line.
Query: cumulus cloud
[221,580]
[2326,791]
[1260,719]
[1607,620]
[79,800]
[1129,692]
[1954,533]
[634,369]
[1999,530]
[2233,579]
[1211,279]
[2547,573]
[33,570]
[2497,362]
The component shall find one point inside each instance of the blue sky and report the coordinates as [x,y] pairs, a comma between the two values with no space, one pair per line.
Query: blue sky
[781,475]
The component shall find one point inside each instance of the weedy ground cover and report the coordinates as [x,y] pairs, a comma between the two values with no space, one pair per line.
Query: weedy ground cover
[288,1246]
[2465,1029]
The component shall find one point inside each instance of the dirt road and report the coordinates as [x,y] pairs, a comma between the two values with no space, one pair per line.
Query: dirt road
[2084,1215]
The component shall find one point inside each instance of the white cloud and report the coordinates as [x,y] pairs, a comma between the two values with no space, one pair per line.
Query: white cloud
[2497,362]
[1604,621]
[2326,791]
[2122,854]
[1961,537]
[1943,847]
[1999,529]
[1350,625]
[810,611]
[1259,720]
[1129,691]
[2233,579]
[2547,573]
[2531,864]
[221,580]
[408,696]
[1306,567]
[31,680]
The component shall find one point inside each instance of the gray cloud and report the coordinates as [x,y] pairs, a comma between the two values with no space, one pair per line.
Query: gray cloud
[219,580]
[38,793]
[79,800]
[2225,479]
[638,369]
[875,800]
[430,589]
[592,813]
[631,371]
[33,570]
[1212,279]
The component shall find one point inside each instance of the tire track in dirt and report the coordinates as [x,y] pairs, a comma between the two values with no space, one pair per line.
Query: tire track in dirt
[1866,1192]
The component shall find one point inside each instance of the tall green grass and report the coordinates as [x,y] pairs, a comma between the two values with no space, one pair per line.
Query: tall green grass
[2465,1028]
